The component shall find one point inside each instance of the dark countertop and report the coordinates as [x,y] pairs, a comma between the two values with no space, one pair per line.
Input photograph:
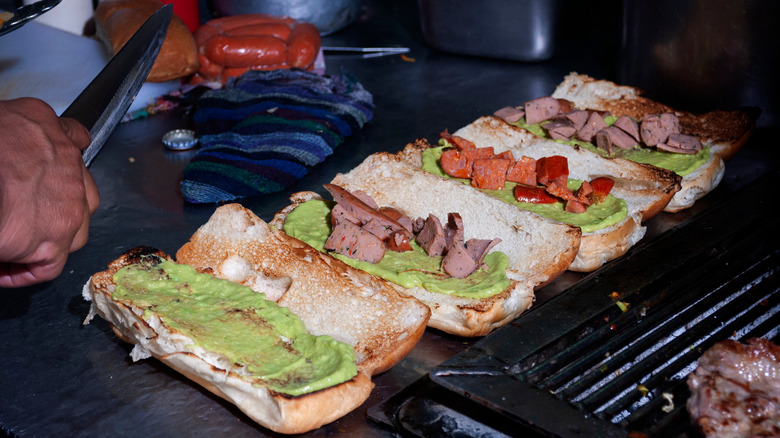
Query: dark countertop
[60,378]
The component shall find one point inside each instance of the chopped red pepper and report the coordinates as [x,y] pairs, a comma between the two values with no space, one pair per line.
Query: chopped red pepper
[552,168]
[601,187]
[533,194]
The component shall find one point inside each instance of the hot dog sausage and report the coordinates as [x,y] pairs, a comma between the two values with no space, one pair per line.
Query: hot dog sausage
[229,46]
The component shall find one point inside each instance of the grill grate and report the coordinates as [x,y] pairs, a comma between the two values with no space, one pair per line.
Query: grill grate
[610,355]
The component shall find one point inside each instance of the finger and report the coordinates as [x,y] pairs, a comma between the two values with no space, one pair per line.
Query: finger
[77,132]
[20,275]
[81,236]
[91,190]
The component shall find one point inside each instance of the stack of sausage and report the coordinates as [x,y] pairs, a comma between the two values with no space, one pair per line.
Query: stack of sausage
[364,231]
[231,46]
[661,131]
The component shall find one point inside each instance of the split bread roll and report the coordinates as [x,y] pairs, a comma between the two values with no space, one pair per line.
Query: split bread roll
[538,249]
[646,189]
[116,21]
[724,132]
[380,324]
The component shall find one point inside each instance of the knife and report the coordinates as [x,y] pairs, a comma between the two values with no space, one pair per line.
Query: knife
[25,13]
[106,99]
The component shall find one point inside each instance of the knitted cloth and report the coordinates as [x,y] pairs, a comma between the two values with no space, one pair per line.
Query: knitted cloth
[265,130]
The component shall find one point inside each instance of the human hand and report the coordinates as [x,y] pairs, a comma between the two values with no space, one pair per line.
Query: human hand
[46,192]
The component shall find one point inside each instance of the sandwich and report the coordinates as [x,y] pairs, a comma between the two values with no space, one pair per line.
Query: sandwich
[610,226]
[421,226]
[289,335]
[617,121]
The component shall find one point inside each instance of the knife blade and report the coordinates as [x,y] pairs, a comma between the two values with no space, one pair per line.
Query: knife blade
[25,13]
[106,99]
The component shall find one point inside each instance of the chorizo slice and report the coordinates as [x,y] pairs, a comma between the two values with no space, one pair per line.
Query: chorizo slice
[522,171]
[489,173]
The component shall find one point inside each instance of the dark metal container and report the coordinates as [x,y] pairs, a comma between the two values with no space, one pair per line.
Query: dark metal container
[702,55]
[521,30]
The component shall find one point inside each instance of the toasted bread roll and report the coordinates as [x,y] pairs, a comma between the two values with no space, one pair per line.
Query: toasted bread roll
[538,249]
[117,20]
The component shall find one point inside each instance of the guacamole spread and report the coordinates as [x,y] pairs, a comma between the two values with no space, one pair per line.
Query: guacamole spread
[604,214]
[227,318]
[681,164]
[310,222]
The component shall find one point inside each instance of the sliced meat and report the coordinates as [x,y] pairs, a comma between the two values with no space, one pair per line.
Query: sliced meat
[459,163]
[584,192]
[561,128]
[361,210]
[338,215]
[510,114]
[735,390]
[431,237]
[682,141]
[594,124]
[458,262]
[352,241]
[398,243]
[573,206]
[417,225]
[455,164]
[629,126]
[656,129]
[566,106]
[459,142]
[489,173]
[363,196]
[578,118]
[506,155]
[560,190]
[378,229]
[611,137]
[554,167]
[479,248]
[540,109]
[454,231]
[399,217]
[522,171]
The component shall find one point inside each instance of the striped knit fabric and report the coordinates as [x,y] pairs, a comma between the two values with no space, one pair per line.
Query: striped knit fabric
[265,130]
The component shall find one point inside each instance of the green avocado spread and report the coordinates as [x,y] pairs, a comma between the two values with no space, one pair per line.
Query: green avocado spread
[604,214]
[226,318]
[310,222]
[681,164]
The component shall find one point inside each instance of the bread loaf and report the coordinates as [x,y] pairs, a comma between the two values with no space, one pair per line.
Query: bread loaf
[117,20]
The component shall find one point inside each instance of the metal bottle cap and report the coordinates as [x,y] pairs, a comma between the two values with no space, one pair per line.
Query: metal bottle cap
[180,139]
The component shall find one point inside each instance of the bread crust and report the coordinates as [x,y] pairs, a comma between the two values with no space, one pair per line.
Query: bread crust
[117,20]
[539,249]
[151,337]
[329,296]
